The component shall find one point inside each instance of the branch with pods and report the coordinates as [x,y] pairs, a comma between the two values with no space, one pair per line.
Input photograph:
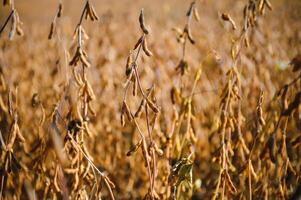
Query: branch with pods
[85,94]
[8,158]
[179,182]
[231,115]
[185,34]
[147,105]
[81,165]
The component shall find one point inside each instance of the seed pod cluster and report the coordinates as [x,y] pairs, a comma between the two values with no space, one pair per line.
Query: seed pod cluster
[90,12]
[251,11]
[182,67]
[183,35]
[80,54]
[263,4]
[15,24]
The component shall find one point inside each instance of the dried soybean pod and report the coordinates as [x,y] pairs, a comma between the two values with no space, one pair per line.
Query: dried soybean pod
[138,42]
[75,59]
[140,108]
[128,66]
[198,74]
[11,142]
[172,95]
[261,6]
[13,26]
[145,48]
[134,148]
[122,119]
[86,11]
[142,24]
[158,150]
[19,30]
[6,2]
[84,60]
[246,41]
[18,25]
[293,105]
[60,11]
[135,87]
[225,17]
[179,33]
[196,14]
[268,4]
[90,91]
[259,110]
[189,12]
[19,134]
[55,181]
[90,12]
[152,106]
[93,12]
[51,32]
[126,110]
[190,36]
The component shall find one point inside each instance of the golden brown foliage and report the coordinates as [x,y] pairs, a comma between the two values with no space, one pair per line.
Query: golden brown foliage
[120,103]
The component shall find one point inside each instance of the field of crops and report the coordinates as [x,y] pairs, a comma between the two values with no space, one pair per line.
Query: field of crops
[150,99]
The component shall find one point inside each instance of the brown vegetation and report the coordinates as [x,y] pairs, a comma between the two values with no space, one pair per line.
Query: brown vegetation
[133,107]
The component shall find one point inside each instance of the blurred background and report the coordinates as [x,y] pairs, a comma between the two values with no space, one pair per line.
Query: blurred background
[40,11]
